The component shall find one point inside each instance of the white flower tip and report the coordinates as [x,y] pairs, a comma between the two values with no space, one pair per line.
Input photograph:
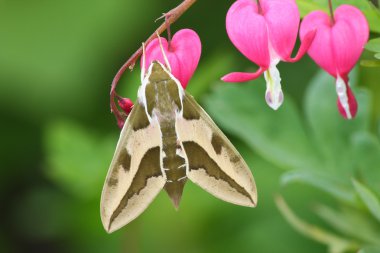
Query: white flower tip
[274,100]
[274,95]
[341,91]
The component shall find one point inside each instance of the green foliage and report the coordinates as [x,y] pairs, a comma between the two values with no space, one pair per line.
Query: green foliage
[335,186]
[76,158]
[359,228]
[57,62]
[250,119]
[366,150]
[369,198]
[374,46]
[335,243]
[370,250]
[63,49]
[324,152]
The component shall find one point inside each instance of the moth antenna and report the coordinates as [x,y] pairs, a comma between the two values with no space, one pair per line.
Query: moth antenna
[143,63]
[163,53]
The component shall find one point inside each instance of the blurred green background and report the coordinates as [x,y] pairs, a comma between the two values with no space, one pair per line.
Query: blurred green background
[57,60]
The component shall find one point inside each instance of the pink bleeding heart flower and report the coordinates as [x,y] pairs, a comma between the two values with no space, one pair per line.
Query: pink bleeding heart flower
[183,53]
[337,47]
[265,34]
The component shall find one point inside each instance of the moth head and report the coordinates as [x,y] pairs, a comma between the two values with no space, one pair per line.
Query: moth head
[158,72]
[165,66]
[159,67]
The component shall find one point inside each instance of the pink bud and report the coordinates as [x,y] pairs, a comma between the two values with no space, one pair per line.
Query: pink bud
[183,54]
[265,35]
[126,105]
[337,47]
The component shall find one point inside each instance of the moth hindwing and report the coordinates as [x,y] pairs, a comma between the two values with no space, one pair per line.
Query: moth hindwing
[167,139]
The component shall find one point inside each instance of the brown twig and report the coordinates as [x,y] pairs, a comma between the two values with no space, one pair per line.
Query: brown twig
[170,18]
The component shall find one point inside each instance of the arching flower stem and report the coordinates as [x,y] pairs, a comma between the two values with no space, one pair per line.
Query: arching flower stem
[260,10]
[170,18]
[331,12]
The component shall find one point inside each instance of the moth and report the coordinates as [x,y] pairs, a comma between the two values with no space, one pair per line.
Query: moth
[166,140]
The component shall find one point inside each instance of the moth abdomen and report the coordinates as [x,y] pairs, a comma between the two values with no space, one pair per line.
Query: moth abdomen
[175,189]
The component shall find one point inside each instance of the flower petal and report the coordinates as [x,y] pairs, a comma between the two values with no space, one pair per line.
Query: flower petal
[248,31]
[282,18]
[337,46]
[320,50]
[187,47]
[349,35]
[305,45]
[238,77]
[183,55]
[356,19]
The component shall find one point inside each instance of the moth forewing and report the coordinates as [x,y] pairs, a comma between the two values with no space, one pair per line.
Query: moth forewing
[213,162]
[134,177]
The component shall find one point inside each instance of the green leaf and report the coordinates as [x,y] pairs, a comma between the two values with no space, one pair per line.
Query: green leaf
[373,45]
[77,159]
[335,243]
[4,243]
[369,198]
[351,223]
[370,63]
[335,186]
[209,72]
[331,131]
[306,7]
[377,56]
[366,154]
[279,136]
[51,223]
[81,36]
[370,249]
[369,10]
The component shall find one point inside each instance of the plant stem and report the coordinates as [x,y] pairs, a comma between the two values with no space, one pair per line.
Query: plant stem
[170,18]
[259,9]
[168,31]
[331,12]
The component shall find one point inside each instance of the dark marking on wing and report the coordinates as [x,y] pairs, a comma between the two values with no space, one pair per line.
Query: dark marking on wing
[199,159]
[217,143]
[189,111]
[112,181]
[149,167]
[150,95]
[235,159]
[140,119]
[124,160]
